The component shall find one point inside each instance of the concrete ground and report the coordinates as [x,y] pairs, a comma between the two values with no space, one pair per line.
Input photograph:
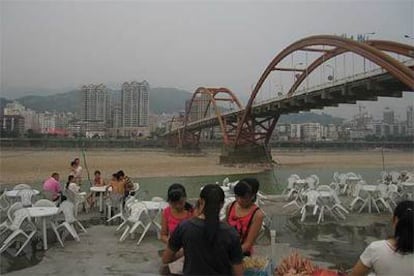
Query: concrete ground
[99,251]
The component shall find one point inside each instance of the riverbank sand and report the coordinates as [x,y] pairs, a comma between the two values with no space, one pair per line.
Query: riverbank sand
[34,165]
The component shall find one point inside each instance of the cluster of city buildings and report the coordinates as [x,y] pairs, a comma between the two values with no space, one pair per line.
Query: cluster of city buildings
[361,127]
[104,113]
[100,113]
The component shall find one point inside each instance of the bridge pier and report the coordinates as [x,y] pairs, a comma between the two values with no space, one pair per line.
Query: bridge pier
[245,154]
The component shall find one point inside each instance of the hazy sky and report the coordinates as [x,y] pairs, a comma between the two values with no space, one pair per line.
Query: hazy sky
[62,45]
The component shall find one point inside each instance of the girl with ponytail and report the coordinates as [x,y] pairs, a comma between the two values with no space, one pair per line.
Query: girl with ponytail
[395,255]
[210,247]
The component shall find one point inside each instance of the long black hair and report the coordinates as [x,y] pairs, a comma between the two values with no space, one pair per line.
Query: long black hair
[404,233]
[253,184]
[213,197]
[70,179]
[175,193]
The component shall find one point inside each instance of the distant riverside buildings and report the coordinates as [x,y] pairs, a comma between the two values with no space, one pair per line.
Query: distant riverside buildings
[94,103]
[106,114]
[126,114]
[134,104]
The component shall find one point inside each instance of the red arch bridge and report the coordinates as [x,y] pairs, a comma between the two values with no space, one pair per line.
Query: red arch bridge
[246,130]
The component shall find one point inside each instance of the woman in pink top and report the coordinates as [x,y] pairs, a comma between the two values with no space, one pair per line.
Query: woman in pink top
[177,211]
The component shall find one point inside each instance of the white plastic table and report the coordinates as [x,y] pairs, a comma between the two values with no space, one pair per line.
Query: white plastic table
[155,208]
[371,190]
[101,190]
[13,193]
[43,212]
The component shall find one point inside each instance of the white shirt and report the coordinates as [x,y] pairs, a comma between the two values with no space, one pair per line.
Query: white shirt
[74,187]
[78,171]
[381,257]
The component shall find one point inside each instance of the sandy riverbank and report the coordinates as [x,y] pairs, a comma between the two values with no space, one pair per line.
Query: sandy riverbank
[33,166]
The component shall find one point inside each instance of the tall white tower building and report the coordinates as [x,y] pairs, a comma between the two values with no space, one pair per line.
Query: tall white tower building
[135,104]
[95,103]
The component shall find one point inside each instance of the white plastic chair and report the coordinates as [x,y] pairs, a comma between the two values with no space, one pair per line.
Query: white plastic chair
[77,199]
[22,187]
[20,226]
[383,196]
[10,216]
[67,208]
[135,189]
[395,177]
[4,202]
[357,196]
[312,181]
[312,202]
[13,208]
[25,196]
[290,189]
[123,213]
[226,182]
[139,218]
[393,194]
[114,200]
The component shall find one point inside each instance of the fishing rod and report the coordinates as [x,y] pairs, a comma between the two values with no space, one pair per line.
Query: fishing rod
[82,145]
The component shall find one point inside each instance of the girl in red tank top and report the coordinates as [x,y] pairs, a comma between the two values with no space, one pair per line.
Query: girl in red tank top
[244,215]
[177,211]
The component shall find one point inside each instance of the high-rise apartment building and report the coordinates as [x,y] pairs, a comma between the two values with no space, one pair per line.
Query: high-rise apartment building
[388,116]
[134,104]
[410,116]
[95,103]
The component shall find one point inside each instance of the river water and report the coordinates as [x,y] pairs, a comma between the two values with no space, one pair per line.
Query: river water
[271,181]
[337,245]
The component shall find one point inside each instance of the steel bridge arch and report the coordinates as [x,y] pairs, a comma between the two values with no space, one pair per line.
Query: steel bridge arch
[371,50]
[213,94]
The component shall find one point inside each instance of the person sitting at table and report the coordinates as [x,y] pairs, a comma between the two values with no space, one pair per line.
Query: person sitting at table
[98,181]
[128,185]
[71,185]
[178,209]
[52,186]
[210,247]
[244,215]
[395,255]
[116,186]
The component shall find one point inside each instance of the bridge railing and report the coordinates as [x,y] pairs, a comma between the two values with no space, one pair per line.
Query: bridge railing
[336,82]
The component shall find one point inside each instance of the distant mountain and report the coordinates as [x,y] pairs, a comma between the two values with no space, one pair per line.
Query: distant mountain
[63,102]
[166,100]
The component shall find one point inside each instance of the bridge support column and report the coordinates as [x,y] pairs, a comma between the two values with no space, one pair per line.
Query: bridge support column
[245,154]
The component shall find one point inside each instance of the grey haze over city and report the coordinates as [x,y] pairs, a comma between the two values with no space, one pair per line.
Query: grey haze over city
[57,46]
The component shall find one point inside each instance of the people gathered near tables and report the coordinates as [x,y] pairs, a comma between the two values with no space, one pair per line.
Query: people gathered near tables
[52,186]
